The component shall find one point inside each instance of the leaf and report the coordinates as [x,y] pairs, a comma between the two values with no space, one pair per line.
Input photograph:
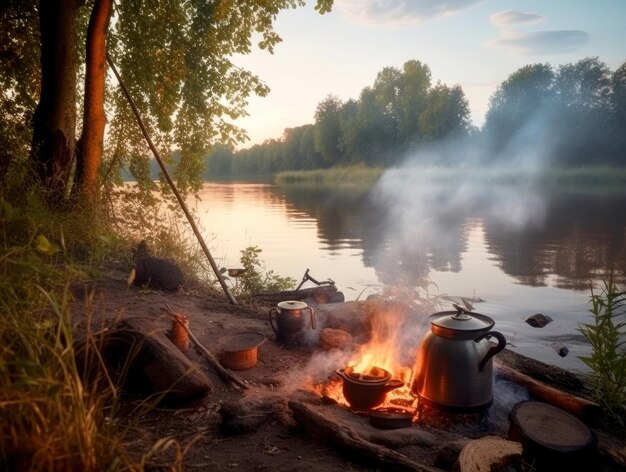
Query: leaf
[46,247]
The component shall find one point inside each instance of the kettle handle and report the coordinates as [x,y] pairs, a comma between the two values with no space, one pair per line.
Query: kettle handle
[273,322]
[494,349]
[312,317]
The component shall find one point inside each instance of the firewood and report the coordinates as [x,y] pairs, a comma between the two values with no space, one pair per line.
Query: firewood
[320,295]
[346,438]
[488,454]
[552,438]
[151,364]
[581,407]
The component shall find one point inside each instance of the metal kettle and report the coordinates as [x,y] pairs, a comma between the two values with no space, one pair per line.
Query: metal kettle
[454,365]
[289,320]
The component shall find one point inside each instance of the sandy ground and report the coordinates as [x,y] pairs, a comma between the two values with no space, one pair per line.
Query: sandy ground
[278,443]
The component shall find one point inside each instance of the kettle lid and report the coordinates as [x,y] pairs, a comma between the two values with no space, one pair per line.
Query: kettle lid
[292,305]
[462,320]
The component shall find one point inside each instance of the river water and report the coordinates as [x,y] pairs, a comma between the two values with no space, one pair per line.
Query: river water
[521,250]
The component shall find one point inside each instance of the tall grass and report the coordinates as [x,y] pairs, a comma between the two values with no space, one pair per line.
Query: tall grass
[351,175]
[53,416]
[575,177]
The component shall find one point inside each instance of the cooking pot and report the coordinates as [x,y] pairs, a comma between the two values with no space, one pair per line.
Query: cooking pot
[454,364]
[366,391]
[288,321]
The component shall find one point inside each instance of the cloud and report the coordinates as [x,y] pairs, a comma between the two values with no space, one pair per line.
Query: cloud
[399,13]
[506,18]
[542,42]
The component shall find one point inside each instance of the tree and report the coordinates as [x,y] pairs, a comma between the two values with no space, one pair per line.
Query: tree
[176,58]
[327,129]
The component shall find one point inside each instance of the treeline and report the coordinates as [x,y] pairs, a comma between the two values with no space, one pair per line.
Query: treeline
[571,115]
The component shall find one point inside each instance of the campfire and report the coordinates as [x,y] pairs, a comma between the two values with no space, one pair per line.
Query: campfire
[377,375]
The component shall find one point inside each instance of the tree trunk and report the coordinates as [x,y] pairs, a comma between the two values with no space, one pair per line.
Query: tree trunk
[53,145]
[90,145]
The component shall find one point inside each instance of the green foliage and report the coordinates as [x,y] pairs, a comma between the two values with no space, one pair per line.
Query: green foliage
[255,278]
[608,356]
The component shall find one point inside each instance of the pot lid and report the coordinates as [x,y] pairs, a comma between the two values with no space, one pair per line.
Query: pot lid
[462,321]
[243,341]
[292,305]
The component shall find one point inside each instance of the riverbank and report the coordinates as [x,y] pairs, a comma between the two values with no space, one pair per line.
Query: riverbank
[598,177]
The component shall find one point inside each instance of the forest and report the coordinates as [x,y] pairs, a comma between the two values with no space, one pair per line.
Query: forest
[569,116]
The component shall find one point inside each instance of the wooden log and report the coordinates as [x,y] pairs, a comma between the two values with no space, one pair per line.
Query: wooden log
[346,438]
[148,364]
[489,454]
[320,295]
[581,407]
[552,439]
[550,374]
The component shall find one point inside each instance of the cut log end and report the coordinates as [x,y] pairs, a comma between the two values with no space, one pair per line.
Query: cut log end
[551,436]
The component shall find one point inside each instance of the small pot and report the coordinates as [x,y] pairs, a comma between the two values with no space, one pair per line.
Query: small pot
[390,418]
[367,391]
[240,351]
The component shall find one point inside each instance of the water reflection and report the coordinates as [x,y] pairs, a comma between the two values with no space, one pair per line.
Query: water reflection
[539,237]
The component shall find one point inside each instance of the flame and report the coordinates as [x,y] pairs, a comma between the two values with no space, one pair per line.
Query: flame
[383,350]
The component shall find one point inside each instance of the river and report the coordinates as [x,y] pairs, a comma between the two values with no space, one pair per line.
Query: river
[523,251]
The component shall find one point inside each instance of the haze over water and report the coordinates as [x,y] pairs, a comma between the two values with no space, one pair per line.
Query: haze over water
[545,265]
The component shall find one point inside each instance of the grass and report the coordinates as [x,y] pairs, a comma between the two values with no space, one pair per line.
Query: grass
[585,178]
[55,416]
[351,175]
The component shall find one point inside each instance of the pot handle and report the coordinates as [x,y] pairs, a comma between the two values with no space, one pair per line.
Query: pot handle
[494,349]
[312,317]
[341,374]
[273,322]
[393,384]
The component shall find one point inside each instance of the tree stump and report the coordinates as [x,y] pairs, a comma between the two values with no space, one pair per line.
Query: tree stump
[552,438]
[488,454]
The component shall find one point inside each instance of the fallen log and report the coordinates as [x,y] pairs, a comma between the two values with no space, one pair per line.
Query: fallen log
[348,439]
[581,407]
[322,294]
[146,363]
[550,374]
[487,454]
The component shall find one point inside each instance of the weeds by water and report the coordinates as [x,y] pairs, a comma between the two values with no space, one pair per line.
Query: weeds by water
[53,416]
[608,357]
[351,175]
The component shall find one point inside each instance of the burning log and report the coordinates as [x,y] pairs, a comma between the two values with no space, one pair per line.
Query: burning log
[581,407]
[345,437]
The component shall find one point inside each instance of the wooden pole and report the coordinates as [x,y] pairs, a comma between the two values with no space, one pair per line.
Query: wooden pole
[181,202]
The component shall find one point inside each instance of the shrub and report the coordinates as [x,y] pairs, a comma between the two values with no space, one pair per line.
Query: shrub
[608,357]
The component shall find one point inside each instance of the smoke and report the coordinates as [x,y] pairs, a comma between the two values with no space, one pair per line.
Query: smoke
[429,198]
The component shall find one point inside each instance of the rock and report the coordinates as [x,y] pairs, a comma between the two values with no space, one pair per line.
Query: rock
[560,349]
[335,339]
[487,454]
[538,321]
[448,454]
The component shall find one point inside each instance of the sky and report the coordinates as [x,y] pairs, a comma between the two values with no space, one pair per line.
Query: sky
[476,44]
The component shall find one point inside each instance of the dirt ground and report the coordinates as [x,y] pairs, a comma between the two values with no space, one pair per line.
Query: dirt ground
[278,443]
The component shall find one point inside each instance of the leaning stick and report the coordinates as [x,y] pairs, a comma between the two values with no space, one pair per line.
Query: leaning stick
[166,174]
[225,374]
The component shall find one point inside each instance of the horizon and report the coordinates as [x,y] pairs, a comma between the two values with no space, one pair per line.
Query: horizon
[476,44]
